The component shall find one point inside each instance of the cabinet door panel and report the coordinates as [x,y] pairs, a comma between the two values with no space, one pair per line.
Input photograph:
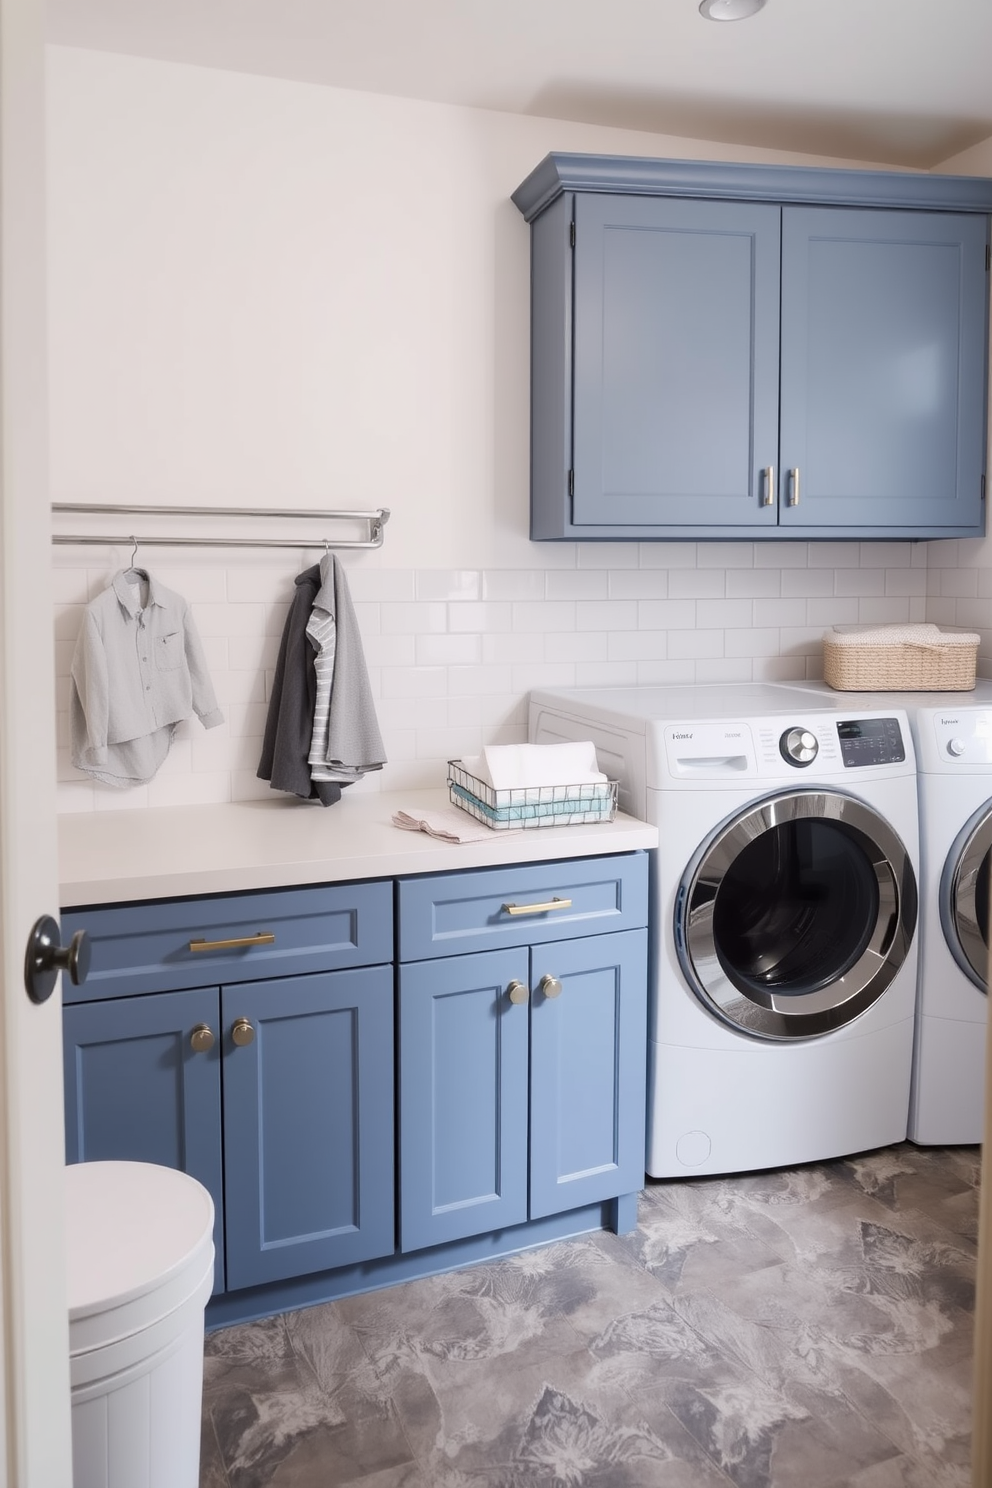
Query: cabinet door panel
[136,1092]
[308,1124]
[675,361]
[883,367]
[463,1097]
[588,1071]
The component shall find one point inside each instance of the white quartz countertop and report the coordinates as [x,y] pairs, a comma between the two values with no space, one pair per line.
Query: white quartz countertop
[114,857]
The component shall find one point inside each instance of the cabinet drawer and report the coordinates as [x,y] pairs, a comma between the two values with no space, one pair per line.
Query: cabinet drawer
[153,947]
[457,913]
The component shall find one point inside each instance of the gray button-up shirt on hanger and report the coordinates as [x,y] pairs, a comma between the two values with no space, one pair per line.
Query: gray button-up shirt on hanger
[138,670]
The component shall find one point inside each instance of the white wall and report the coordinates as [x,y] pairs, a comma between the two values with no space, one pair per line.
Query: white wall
[268,293]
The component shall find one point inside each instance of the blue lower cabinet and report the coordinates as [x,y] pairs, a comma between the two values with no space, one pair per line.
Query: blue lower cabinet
[462,1096]
[308,1123]
[142,1084]
[521,1077]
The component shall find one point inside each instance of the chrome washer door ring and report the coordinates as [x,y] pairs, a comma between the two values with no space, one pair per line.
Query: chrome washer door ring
[964,896]
[796,914]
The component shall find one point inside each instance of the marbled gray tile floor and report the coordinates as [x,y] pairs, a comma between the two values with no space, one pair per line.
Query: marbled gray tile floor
[804,1328]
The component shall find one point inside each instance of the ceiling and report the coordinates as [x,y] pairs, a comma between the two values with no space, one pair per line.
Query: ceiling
[897,82]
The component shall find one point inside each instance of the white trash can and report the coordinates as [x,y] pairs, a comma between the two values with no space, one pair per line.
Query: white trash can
[140,1254]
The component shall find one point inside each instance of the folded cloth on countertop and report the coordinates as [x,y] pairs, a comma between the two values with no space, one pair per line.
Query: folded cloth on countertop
[916,634]
[509,766]
[448,824]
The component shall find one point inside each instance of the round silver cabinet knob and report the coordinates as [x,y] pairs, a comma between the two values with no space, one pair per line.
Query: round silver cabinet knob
[798,746]
[242,1033]
[550,986]
[517,992]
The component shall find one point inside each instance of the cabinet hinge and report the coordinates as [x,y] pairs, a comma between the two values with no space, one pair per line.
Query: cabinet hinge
[571,238]
[988,256]
[983,488]
[571,483]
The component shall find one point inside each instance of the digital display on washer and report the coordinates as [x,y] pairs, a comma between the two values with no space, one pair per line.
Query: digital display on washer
[871,741]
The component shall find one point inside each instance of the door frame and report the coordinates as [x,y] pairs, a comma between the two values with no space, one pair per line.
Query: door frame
[35,1422]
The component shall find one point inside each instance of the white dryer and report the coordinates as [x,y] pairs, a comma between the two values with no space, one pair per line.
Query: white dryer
[784,904]
[953,736]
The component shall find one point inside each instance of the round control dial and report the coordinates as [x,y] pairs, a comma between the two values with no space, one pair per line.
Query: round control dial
[955,748]
[798,747]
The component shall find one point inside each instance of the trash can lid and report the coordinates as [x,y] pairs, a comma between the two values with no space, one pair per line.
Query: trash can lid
[131,1228]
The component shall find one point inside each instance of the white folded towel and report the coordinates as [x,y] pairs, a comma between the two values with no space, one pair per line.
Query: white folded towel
[917,633]
[508,766]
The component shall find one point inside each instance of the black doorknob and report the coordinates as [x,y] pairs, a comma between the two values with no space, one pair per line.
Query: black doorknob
[45,958]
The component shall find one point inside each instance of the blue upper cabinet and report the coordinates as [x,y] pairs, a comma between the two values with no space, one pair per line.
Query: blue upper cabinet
[675,361]
[884,339]
[733,351]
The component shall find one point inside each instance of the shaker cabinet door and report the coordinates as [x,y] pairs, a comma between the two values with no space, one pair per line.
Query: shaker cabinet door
[308,1123]
[883,369]
[675,362]
[462,1096]
[587,1070]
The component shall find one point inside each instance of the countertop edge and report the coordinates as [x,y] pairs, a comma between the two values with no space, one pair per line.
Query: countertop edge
[118,857]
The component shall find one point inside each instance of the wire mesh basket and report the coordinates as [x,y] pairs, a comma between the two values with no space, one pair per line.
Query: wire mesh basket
[531,805]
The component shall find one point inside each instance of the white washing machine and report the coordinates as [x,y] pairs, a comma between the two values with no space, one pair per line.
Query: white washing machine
[953,736]
[784,904]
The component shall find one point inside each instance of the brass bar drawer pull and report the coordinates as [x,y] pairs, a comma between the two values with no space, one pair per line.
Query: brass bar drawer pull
[264,937]
[524,909]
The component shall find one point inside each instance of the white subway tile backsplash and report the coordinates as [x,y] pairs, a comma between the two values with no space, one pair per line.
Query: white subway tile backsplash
[637,645]
[859,581]
[639,583]
[666,614]
[779,612]
[692,644]
[428,618]
[453,653]
[783,554]
[533,618]
[608,615]
[484,617]
[522,584]
[578,646]
[754,583]
[668,555]
[725,555]
[585,584]
[724,614]
[449,584]
[448,650]
[754,642]
[697,583]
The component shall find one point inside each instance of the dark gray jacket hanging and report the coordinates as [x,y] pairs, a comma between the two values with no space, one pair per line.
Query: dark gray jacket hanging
[289,721]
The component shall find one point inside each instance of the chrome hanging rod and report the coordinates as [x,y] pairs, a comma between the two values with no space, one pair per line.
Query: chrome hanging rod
[376,522]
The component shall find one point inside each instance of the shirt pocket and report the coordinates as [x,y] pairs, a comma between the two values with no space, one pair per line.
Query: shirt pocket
[169,651]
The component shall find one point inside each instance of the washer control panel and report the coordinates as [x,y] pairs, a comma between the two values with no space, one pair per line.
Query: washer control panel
[964,736]
[870,741]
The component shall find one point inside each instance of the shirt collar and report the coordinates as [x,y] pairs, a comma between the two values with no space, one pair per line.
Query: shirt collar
[129,595]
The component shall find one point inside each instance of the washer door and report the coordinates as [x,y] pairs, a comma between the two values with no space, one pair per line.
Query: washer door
[964,896]
[794,917]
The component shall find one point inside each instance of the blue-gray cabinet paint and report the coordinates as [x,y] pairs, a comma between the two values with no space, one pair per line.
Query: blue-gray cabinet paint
[308,1124]
[537,1121]
[695,327]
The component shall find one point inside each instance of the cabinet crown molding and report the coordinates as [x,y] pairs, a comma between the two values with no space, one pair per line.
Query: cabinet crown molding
[631,175]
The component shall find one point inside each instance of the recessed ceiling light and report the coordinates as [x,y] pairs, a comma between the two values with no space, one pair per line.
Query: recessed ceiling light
[729,10]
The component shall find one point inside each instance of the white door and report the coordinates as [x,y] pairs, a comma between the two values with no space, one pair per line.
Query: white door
[34,1401]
